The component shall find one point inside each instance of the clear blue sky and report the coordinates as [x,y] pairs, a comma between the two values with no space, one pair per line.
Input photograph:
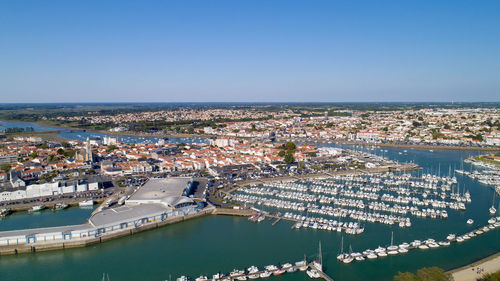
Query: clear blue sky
[249,50]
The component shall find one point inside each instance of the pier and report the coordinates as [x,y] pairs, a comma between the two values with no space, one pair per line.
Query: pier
[324,275]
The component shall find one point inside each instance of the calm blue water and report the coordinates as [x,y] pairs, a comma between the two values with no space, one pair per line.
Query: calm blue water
[24,125]
[81,135]
[45,218]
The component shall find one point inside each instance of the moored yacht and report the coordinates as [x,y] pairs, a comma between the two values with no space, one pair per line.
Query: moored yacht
[5,212]
[37,208]
[60,206]
[313,273]
[86,203]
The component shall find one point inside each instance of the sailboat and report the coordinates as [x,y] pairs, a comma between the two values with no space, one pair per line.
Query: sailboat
[348,257]
[341,256]
[392,250]
[492,209]
[318,264]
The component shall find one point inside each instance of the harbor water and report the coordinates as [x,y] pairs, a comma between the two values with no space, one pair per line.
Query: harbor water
[45,218]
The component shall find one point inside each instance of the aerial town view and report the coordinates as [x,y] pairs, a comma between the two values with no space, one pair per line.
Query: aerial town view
[237,140]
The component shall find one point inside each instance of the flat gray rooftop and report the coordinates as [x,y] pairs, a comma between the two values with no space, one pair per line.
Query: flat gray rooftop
[65,228]
[126,213]
[157,189]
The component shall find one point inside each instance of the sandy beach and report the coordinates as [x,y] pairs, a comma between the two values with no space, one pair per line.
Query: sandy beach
[469,272]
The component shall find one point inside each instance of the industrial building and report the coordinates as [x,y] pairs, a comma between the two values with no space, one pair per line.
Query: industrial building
[46,189]
[155,203]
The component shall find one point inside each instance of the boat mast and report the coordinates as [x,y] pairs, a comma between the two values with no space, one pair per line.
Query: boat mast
[320,255]
[342,245]
[392,237]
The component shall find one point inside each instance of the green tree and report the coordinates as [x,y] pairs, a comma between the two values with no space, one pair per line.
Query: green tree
[60,151]
[406,276]
[65,144]
[281,153]
[111,147]
[290,146]
[69,153]
[424,274]
[432,274]
[43,146]
[34,155]
[301,165]
[478,137]
[289,158]
[6,167]
[491,276]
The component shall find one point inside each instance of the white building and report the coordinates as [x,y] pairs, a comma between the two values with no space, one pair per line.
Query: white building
[46,189]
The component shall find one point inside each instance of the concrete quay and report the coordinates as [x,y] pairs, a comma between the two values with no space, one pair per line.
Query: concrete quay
[60,242]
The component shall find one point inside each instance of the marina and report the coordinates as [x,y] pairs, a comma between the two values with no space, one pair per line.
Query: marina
[345,203]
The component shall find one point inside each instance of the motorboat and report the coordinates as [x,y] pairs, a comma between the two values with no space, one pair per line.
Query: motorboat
[313,273]
[348,259]
[301,265]
[86,203]
[37,208]
[382,254]
[5,212]
[423,247]
[265,274]
[444,243]
[403,250]
[60,206]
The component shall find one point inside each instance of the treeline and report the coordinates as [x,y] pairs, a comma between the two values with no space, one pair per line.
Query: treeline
[424,274]
[154,126]
[19,130]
